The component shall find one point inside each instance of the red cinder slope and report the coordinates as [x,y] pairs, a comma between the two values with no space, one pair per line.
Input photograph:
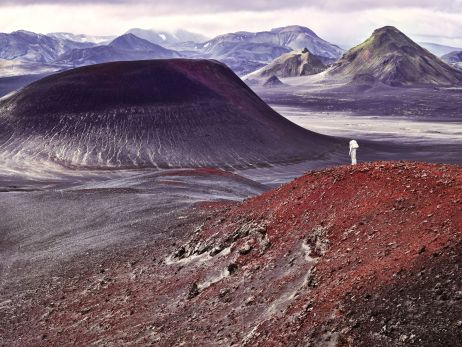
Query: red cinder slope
[351,256]
[365,231]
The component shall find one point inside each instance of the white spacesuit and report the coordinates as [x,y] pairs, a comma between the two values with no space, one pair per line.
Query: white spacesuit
[353,146]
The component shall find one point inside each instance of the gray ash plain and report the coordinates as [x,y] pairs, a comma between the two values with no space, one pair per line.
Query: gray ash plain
[422,124]
[441,104]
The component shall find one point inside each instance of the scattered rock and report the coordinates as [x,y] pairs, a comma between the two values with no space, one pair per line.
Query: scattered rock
[245,249]
[179,253]
[232,268]
[250,301]
[193,291]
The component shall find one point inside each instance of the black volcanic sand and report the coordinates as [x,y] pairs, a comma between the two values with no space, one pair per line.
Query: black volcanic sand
[48,232]
[416,103]
[52,224]
[11,83]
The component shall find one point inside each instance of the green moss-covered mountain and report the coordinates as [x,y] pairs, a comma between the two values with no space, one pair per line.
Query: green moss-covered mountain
[392,58]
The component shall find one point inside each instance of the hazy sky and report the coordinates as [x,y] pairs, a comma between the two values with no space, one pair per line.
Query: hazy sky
[343,22]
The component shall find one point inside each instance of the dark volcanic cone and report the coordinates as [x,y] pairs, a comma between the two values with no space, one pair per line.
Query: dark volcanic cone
[394,59]
[158,113]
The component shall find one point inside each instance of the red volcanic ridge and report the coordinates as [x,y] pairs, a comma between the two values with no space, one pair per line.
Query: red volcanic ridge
[157,113]
[352,256]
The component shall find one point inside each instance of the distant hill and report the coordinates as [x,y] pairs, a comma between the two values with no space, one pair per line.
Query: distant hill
[392,58]
[291,37]
[123,48]
[26,46]
[453,57]
[273,81]
[437,49]
[292,64]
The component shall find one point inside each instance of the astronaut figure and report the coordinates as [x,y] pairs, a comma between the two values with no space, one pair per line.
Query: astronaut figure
[353,147]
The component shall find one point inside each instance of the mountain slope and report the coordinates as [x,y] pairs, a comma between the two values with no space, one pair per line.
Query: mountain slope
[323,254]
[159,113]
[298,37]
[392,58]
[122,48]
[168,39]
[134,43]
[437,49]
[245,57]
[453,58]
[245,52]
[292,64]
[30,47]
[291,37]
[95,39]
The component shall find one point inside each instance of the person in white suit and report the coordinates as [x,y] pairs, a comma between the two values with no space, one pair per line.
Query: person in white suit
[353,147]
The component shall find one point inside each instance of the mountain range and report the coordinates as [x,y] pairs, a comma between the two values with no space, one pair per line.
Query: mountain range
[454,59]
[123,48]
[272,52]
[437,49]
[26,46]
[387,58]
[170,40]
[244,52]
[291,37]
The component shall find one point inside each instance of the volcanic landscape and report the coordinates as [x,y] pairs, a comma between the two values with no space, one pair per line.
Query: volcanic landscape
[165,202]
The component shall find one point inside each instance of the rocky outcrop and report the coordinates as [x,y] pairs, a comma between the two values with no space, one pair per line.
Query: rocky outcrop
[292,64]
[273,81]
